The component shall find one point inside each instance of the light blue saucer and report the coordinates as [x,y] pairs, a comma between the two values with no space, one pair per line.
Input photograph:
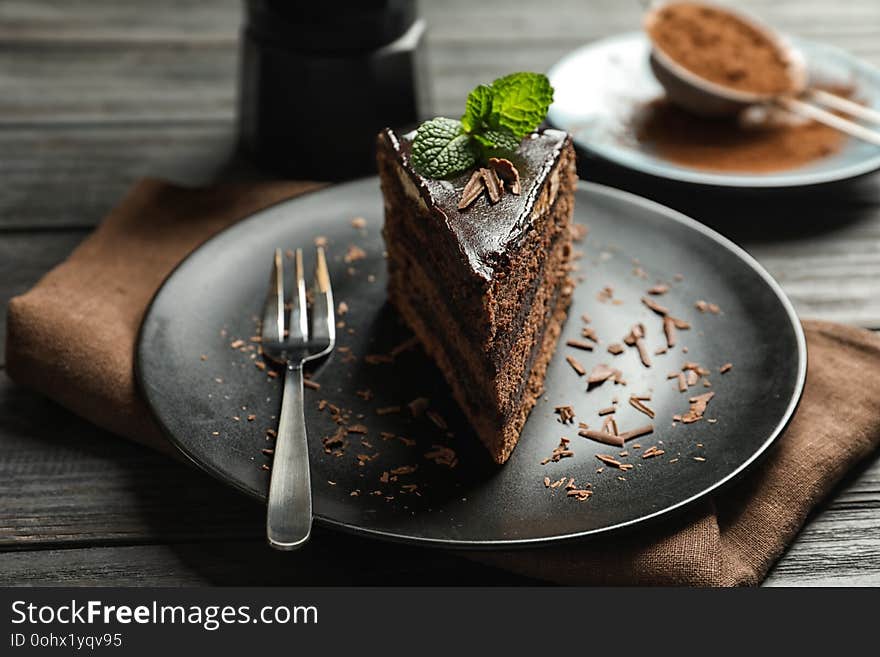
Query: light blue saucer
[597,87]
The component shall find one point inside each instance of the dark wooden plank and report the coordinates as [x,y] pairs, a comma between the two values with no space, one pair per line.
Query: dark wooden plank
[111,21]
[326,560]
[62,176]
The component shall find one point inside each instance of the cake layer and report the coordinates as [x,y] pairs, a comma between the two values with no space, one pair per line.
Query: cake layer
[498,430]
[499,383]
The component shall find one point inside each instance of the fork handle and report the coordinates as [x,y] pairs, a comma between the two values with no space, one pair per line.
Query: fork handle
[289,519]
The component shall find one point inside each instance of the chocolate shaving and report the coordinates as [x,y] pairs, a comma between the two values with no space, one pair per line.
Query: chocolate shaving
[493,184]
[507,172]
[607,411]
[669,331]
[656,307]
[602,437]
[580,344]
[418,406]
[473,189]
[575,365]
[600,373]
[660,288]
[726,368]
[635,338]
[698,407]
[637,433]
[639,405]
[682,382]
[589,334]
[609,460]
[566,414]
[560,452]
[615,348]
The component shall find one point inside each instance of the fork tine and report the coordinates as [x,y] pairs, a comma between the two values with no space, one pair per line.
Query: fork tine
[299,323]
[323,318]
[273,309]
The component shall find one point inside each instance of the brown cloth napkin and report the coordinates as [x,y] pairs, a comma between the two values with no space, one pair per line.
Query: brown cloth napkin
[72,337]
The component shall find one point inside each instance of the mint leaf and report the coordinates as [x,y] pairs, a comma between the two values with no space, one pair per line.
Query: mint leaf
[520,102]
[502,139]
[441,147]
[477,108]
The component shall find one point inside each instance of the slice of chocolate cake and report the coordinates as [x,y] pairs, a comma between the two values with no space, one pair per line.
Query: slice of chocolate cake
[484,287]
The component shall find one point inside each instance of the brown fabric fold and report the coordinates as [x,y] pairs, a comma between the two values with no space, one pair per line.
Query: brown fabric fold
[72,337]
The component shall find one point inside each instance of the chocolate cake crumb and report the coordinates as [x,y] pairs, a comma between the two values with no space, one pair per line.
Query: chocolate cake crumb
[546,482]
[342,308]
[378,359]
[365,394]
[725,368]
[579,233]
[585,318]
[359,222]
[589,334]
[575,365]
[354,254]
[357,428]
[615,348]
[660,288]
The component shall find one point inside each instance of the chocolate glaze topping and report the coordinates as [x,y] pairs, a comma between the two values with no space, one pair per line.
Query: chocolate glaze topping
[487,233]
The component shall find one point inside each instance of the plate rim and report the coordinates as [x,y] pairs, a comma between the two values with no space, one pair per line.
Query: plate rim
[504,544]
[714,179]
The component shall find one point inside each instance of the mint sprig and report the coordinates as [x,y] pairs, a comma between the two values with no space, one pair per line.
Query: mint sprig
[441,147]
[496,119]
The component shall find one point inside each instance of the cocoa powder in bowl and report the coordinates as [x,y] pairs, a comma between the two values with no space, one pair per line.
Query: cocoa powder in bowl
[720,47]
[750,144]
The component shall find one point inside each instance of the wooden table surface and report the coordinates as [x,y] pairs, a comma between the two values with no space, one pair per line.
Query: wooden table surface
[98,93]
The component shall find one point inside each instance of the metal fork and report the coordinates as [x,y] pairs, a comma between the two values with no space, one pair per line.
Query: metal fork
[289,518]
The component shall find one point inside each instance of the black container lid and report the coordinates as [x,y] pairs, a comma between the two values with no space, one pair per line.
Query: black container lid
[328,25]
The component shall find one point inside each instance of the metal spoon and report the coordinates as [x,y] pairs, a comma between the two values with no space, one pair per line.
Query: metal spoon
[706,98]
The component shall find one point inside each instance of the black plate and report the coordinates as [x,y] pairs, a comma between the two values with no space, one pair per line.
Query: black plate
[212,299]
